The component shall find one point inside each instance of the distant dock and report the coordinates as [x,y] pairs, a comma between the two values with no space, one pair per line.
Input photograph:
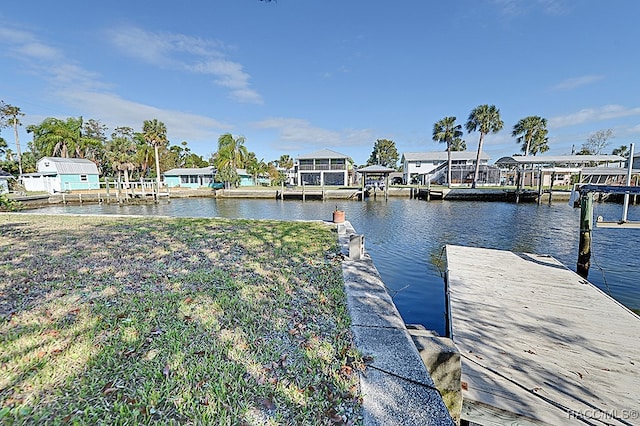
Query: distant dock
[539,344]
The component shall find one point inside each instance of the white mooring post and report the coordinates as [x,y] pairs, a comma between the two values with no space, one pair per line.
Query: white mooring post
[625,208]
[356,247]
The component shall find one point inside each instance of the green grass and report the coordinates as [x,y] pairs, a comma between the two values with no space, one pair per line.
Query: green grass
[172,321]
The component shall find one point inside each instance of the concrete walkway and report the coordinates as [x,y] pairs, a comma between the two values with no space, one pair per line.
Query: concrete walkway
[396,387]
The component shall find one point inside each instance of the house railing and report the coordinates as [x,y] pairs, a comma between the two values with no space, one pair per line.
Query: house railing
[322,167]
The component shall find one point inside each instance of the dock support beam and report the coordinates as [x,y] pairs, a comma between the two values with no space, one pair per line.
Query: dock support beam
[586,226]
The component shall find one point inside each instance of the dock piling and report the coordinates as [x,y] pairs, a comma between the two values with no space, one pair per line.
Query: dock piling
[586,226]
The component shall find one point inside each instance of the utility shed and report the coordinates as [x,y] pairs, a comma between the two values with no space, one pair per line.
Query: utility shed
[540,344]
[56,174]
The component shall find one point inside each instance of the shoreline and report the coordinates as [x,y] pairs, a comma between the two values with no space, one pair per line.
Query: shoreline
[348,194]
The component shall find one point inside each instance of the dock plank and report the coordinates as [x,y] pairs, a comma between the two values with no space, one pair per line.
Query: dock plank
[538,340]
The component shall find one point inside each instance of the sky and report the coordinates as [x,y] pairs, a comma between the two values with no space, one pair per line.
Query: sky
[296,76]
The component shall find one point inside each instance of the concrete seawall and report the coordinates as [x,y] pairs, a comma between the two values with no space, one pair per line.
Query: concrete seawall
[396,386]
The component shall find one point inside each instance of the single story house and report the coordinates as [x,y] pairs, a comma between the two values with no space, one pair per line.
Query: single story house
[324,167]
[423,167]
[4,181]
[56,174]
[563,170]
[202,177]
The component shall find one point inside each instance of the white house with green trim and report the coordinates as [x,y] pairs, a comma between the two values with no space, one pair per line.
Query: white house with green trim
[56,174]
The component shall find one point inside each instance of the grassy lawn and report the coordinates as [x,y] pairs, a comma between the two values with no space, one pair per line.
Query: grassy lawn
[161,321]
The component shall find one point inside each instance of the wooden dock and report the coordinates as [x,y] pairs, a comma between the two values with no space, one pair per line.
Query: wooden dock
[539,344]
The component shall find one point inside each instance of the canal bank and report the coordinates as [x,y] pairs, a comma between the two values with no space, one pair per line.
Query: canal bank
[293,193]
[397,388]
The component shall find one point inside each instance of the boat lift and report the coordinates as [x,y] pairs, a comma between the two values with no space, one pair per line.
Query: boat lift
[586,193]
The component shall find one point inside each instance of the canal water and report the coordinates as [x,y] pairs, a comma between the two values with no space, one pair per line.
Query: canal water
[406,237]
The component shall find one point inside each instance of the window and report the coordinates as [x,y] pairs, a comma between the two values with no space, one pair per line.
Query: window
[84,178]
[46,164]
[418,163]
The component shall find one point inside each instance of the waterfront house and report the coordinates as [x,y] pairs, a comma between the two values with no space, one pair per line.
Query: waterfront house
[324,167]
[56,174]
[4,181]
[245,179]
[563,170]
[423,167]
[202,177]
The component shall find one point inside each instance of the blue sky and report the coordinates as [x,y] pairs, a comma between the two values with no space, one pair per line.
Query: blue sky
[294,76]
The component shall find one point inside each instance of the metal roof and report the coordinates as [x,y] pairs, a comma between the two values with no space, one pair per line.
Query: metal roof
[190,171]
[442,156]
[71,166]
[559,159]
[323,154]
[376,169]
[612,171]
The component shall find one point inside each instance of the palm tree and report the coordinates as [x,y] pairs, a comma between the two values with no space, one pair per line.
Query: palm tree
[256,168]
[55,137]
[155,134]
[231,155]
[144,154]
[532,132]
[486,119]
[11,113]
[447,131]
[121,151]
[233,149]
[285,162]
[458,145]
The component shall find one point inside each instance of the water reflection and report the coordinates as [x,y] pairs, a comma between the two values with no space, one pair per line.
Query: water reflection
[405,238]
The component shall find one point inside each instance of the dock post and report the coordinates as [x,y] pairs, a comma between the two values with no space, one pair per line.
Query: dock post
[539,185]
[119,189]
[625,205]
[519,176]
[586,225]
[106,182]
[386,187]
[553,178]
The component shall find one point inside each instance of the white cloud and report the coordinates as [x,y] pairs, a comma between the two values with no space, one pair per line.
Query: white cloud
[82,90]
[114,111]
[572,83]
[296,134]
[512,8]
[196,55]
[606,112]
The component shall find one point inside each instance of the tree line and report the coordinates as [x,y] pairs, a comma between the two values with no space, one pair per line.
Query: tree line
[131,154]
[126,153]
